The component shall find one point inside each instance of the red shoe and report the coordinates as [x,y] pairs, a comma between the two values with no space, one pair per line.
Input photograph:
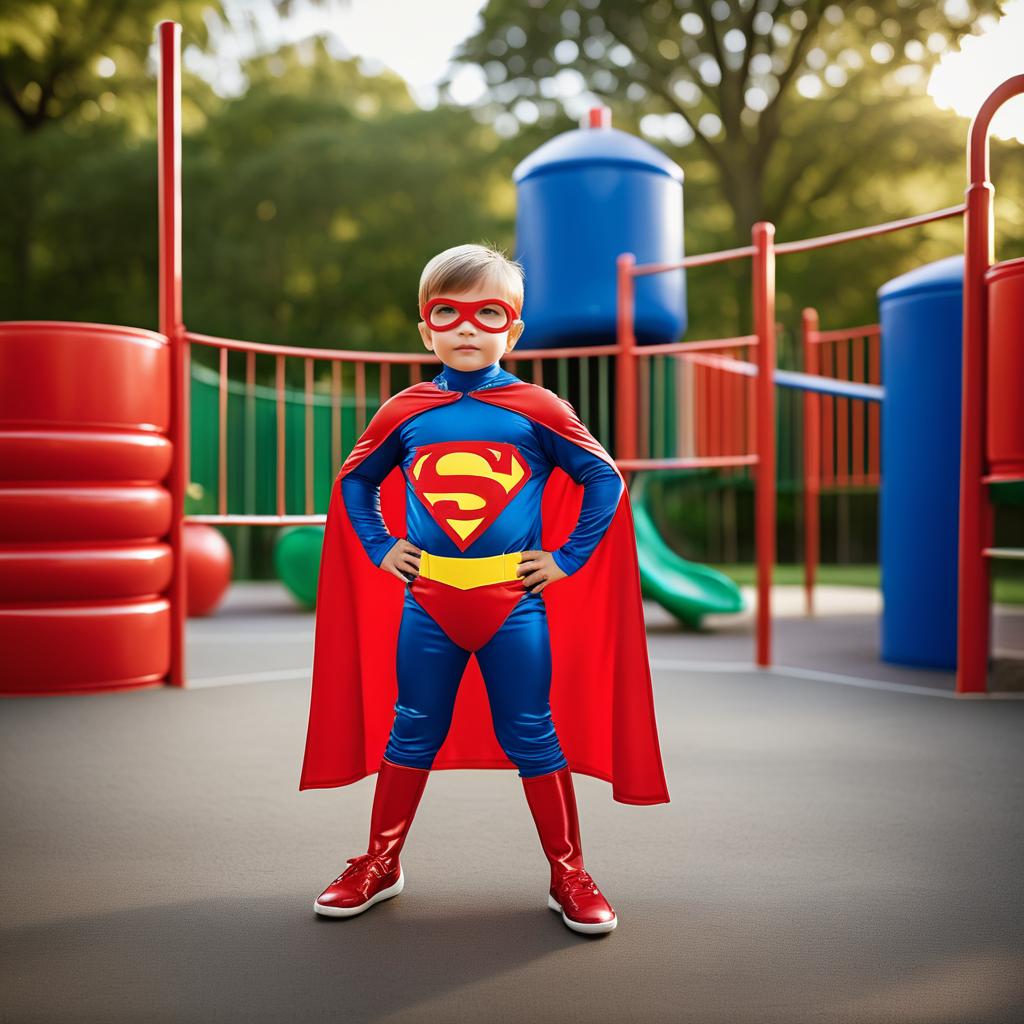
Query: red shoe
[377,874]
[552,801]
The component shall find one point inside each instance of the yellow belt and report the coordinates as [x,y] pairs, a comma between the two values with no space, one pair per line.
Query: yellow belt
[467,573]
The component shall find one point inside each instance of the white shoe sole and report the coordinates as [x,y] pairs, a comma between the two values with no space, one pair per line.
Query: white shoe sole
[577,926]
[384,894]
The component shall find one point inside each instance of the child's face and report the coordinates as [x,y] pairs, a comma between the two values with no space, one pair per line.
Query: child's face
[466,347]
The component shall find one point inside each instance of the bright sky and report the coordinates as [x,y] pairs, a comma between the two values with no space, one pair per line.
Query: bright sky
[414,38]
[965,77]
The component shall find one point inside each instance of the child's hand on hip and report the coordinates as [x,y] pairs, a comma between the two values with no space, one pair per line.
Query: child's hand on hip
[403,560]
[538,569]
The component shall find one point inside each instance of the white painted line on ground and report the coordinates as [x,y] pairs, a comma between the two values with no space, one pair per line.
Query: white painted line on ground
[247,638]
[748,667]
[249,677]
[1009,610]
[825,677]
[703,666]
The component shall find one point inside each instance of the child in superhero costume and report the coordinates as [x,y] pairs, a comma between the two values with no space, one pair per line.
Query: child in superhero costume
[479,542]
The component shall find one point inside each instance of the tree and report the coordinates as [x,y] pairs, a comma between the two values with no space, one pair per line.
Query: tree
[58,63]
[311,202]
[776,106]
[57,57]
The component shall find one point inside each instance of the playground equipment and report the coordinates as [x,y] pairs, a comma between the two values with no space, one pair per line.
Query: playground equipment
[688,590]
[830,421]
[297,561]
[210,565]
[983,414]
[983,410]
[138,604]
[921,313]
[85,566]
[583,197]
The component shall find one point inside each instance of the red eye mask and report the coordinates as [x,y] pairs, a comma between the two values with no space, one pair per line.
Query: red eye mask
[492,315]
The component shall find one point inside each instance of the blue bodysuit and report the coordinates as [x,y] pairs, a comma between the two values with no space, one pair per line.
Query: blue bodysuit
[515,662]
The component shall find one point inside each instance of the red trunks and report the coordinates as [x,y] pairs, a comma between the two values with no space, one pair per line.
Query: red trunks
[469,617]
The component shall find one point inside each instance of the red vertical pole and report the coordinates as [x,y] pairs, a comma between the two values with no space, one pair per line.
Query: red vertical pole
[308,471]
[626,375]
[812,461]
[171,324]
[875,411]
[282,482]
[973,606]
[336,438]
[857,430]
[700,405]
[842,349]
[750,408]
[360,390]
[222,434]
[763,237]
[716,410]
[826,362]
[643,402]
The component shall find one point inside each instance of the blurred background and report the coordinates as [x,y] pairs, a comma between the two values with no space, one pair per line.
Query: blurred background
[331,148]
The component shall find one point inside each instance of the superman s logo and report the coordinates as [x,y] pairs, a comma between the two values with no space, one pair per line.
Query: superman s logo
[465,485]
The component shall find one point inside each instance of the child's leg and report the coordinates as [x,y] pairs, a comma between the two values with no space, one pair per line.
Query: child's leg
[516,666]
[377,874]
[429,667]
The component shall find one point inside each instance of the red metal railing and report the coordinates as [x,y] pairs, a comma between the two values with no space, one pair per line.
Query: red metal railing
[763,342]
[841,439]
[310,357]
[418,366]
[762,443]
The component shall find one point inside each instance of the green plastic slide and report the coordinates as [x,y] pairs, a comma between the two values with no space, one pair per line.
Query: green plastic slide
[686,589]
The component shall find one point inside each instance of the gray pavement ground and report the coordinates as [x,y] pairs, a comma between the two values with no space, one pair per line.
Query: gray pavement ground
[843,844]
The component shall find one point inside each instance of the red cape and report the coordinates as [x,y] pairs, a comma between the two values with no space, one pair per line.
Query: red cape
[601,698]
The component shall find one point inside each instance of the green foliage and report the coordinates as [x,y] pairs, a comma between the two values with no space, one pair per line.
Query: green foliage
[62,60]
[311,204]
[314,231]
[735,79]
[313,199]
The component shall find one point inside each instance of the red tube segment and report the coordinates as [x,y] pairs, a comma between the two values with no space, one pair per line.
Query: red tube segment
[84,510]
[1005,428]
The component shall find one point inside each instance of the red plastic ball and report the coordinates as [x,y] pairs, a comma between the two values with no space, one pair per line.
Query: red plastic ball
[208,566]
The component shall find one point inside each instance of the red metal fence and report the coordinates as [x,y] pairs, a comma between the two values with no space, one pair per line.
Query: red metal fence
[842,438]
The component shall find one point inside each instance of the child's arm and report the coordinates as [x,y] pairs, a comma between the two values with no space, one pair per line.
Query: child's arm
[602,488]
[360,490]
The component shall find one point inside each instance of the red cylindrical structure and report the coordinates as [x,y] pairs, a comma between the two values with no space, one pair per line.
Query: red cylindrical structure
[84,509]
[626,369]
[1005,426]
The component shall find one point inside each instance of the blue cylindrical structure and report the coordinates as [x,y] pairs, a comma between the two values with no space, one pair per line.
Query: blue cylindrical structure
[921,320]
[583,198]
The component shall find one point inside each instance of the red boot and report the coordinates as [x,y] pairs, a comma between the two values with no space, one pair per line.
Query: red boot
[377,874]
[552,801]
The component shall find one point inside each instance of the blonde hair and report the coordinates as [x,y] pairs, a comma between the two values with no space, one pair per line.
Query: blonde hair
[468,266]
